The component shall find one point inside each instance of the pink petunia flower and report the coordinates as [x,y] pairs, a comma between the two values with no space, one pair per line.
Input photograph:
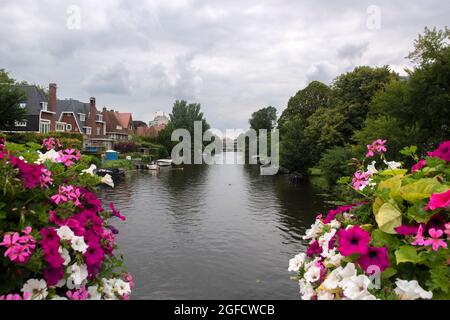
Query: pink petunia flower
[406,231]
[375,257]
[361,180]
[443,152]
[419,238]
[419,166]
[353,240]
[376,148]
[436,242]
[441,200]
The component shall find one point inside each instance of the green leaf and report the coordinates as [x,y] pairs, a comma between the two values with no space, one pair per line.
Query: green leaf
[396,172]
[393,184]
[388,218]
[407,254]
[381,239]
[422,189]
[417,213]
[388,273]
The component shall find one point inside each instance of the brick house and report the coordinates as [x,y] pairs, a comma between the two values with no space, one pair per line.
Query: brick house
[114,127]
[40,109]
[84,118]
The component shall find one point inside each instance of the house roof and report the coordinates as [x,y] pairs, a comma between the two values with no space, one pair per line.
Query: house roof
[112,122]
[125,119]
[34,97]
[75,106]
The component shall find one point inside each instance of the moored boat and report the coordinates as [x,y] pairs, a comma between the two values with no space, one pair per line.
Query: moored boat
[164,162]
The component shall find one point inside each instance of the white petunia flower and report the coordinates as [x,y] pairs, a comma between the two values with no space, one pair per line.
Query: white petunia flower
[77,275]
[108,290]
[65,233]
[90,171]
[107,179]
[325,295]
[335,224]
[314,231]
[297,262]
[356,287]
[312,275]
[392,165]
[334,258]
[372,169]
[411,290]
[94,294]
[122,287]
[50,155]
[325,240]
[78,244]
[306,290]
[65,255]
[37,289]
[59,298]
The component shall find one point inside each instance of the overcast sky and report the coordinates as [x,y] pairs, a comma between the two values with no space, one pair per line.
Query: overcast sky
[232,56]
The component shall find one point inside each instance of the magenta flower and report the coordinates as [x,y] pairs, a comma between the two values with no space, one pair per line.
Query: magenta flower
[419,166]
[361,180]
[332,214]
[94,255]
[443,152]
[81,294]
[375,257]
[19,248]
[51,143]
[53,275]
[441,200]
[116,213]
[419,238]
[436,242]
[128,278]
[314,249]
[353,240]
[16,297]
[377,147]
[406,231]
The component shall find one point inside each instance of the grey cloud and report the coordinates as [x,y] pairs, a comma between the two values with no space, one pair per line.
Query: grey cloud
[232,56]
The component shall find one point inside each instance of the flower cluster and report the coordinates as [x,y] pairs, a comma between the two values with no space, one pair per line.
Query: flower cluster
[51,143]
[373,248]
[66,234]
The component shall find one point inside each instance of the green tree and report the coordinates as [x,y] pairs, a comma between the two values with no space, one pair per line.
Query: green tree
[307,101]
[10,99]
[264,118]
[354,92]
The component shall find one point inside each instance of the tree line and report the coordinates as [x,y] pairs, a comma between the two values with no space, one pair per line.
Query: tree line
[326,126]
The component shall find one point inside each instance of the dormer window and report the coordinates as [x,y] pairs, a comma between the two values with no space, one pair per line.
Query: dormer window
[82,116]
[99,117]
[44,106]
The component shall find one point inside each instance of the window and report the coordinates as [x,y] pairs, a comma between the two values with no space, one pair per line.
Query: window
[87,130]
[99,117]
[23,105]
[119,128]
[20,123]
[82,116]
[60,126]
[98,131]
[44,106]
[68,127]
[44,126]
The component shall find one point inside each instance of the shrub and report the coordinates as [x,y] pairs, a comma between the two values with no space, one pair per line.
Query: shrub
[335,163]
[125,147]
[56,239]
[396,233]
[118,164]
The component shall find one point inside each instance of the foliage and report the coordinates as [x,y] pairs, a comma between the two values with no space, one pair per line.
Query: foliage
[75,140]
[56,238]
[336,163]
[264,118]
[392,243]
[125,146]
[10,99]
[118,164]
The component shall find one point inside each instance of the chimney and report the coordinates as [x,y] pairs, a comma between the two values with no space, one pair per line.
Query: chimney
[92,100]
[104,109]
[52,105]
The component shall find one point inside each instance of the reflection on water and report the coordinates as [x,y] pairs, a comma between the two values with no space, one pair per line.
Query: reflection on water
[212,232]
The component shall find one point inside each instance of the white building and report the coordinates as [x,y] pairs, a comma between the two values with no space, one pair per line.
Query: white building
[160,119]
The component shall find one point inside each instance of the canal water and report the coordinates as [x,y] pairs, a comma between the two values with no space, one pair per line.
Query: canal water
[212,231]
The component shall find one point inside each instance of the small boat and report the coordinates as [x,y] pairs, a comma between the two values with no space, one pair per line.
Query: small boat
[116,174]
[164,162]
[268,170]
[153,167]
